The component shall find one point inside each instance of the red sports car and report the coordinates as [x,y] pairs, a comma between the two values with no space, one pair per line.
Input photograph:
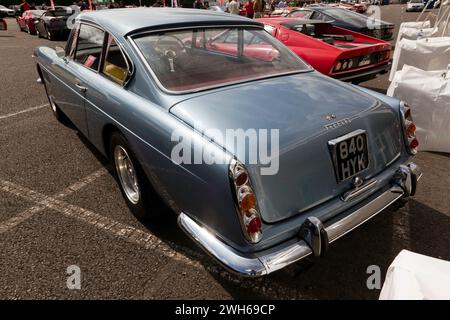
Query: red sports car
[27,20]
[334,51]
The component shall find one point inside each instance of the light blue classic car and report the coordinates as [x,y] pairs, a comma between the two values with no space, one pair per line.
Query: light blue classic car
[264,160]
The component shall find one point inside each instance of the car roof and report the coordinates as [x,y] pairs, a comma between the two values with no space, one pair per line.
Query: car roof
[123,22]
[291,22]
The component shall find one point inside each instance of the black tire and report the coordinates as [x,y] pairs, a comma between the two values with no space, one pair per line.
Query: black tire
[148,206]
[57,113]
[49,34]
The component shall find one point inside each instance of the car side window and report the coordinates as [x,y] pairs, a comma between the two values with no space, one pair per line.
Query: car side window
[318,16]
[115,66]
[89,46]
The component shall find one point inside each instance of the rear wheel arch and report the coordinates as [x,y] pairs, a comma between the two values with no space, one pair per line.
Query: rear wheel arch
[151,205]
[107,132]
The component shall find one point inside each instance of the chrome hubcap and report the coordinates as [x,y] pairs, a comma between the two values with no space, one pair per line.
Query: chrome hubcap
[127,174]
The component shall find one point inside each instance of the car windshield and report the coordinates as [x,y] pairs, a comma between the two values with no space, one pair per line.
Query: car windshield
[37,13]
[416,1]
[347,16]
[195,59]
[59,13]
[304,14]
[3,7]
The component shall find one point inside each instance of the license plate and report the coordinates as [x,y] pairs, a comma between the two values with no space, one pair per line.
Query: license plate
[350,155]
[376,33]
[365,61]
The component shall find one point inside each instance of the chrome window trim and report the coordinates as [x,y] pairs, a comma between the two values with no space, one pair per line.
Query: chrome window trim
[102,52]
[128,60]
[130,69]
[131,37]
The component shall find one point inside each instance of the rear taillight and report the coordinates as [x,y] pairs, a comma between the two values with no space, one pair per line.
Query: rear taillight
[409,128]
[343,65]
[246,203]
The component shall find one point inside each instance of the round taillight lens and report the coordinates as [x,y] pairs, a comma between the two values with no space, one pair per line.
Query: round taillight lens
[254,225]
[344,65]
[240,178]
[411,129]
[247,201]
[414,144]
[338,66]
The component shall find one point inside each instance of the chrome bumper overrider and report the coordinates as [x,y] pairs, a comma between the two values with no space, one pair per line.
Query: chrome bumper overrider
[403,185]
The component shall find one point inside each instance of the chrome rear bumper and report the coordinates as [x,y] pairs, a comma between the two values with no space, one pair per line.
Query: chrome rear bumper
[403,185]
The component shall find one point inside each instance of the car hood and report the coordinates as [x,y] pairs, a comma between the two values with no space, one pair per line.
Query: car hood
[307,110]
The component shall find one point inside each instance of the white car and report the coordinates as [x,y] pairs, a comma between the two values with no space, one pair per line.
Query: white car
[414,5]
[4,11]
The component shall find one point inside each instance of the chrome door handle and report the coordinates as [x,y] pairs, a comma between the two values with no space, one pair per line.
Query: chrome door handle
[80,87]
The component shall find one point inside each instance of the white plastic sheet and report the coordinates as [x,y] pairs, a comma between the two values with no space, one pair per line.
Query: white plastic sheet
[428,94]
[413,276]
[408,29]
[427,54]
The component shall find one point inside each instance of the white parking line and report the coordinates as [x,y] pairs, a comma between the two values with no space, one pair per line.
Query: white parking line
[109,225]
[23,111]
[147,240]
[27,214]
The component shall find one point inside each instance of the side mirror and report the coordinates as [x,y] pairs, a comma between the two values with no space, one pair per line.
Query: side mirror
[60,52]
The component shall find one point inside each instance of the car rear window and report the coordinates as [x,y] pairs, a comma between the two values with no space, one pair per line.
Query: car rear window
[347,16]
[196,59]
[59,13]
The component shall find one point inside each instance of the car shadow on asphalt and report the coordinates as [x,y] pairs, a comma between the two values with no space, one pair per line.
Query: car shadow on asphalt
[342,274]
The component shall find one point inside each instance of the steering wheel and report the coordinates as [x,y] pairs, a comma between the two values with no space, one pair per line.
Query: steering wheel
[168,51]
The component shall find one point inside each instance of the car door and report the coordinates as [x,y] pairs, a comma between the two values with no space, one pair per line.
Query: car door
[79,67]
[107,97]
[40,25]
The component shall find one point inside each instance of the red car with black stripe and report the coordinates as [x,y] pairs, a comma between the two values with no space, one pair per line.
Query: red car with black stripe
[334,51]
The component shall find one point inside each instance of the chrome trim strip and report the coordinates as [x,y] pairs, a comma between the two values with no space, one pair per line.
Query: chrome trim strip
[250,266]
[264,263]
[393,160]
[346,136]
[353,193]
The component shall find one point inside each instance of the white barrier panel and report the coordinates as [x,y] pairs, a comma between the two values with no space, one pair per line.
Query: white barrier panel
[413,276]
[428,94]
[426,54]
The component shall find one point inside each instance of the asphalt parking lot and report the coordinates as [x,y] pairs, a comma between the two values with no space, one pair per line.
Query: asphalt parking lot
[60,206]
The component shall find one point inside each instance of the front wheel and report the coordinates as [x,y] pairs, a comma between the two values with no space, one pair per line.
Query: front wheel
[49,34]
[136,189]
